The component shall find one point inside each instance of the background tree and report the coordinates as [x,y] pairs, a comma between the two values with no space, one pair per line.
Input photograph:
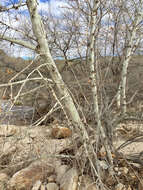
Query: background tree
[131,42]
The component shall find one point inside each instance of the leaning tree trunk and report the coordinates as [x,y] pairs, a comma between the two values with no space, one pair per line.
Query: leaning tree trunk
[93,27]
[129,51]
[43,50]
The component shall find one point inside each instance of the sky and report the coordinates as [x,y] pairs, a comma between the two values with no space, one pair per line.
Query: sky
[8,2]
[15,20]
[44,6]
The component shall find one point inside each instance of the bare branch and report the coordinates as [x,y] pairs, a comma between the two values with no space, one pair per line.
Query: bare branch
[15,29]
[18,42]
[14,6]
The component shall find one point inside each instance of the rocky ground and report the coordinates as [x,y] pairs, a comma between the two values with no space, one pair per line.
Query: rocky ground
[45,158]
[51,156]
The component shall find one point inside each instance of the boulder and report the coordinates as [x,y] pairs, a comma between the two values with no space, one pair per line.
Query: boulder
[26,178]
[3,181]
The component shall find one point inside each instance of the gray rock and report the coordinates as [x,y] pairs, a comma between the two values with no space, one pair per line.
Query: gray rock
[69,181]
[26,178]
[52,186]
[60,171]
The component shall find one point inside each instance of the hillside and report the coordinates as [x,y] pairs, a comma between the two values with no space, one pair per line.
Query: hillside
[74,74]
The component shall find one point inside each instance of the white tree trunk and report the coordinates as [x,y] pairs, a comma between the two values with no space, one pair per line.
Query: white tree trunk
[93,18]
[118,99]
[129,51]
[43,49]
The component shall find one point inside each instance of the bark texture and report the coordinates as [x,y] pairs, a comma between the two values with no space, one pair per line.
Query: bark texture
[130,47]
[43,50]
[92,62]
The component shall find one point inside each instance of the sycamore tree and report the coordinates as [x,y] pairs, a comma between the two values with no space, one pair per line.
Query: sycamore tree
[132,15]
[101,29]
[41,47]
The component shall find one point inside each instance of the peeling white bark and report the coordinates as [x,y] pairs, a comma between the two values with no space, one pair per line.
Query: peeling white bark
[19,42]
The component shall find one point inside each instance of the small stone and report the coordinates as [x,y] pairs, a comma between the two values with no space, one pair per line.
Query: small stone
[32,134]
[36,185]
[116,169]
[103,164]
[86,183]
[43,187]
[52,186]
[61,132]
[69,181]
[3,177]
[120,186]
[51,178]
[124,170]
[60,171]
